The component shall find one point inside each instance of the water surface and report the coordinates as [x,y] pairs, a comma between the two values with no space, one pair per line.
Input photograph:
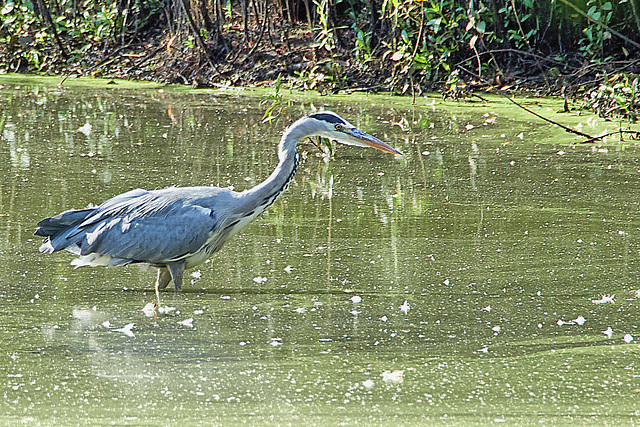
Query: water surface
[461,283]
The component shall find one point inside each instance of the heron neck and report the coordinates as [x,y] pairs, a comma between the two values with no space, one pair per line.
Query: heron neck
[265,193]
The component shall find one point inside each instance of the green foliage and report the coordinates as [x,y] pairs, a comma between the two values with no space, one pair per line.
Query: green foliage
[592,44]
[426,35]
[81,24]
[96,23]
[325,38]
[326,76]
[276,106]
[617,96]
[410,43]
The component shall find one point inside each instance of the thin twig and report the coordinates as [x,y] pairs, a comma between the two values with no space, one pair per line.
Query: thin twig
[146,58]
[605,26]
[259,39]
[46,16]
[635,135]
[519,52]
[566,128]
[198,37]
[526,41]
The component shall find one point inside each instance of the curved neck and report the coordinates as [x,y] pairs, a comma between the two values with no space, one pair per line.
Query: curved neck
[262,195]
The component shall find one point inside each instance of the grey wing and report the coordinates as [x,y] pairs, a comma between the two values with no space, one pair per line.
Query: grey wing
[150,235]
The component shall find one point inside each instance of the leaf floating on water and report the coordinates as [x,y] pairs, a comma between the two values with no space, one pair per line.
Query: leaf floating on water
[605,299]
[396,376]
[276,342]
[186,322]
[405,307]
[368,384]
[86,129]
[165,309]
[126,330]
[577,321]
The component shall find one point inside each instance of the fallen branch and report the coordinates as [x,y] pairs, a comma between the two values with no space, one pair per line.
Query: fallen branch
[566,128]
[634,135]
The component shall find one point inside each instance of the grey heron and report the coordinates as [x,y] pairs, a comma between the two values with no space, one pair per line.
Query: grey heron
[177,228]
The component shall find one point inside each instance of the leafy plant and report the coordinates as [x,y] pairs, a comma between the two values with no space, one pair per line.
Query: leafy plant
[594,34]
[618,95]
[276,106]
[325,39]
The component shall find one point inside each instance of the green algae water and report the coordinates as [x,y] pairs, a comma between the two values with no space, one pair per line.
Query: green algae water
[489,275]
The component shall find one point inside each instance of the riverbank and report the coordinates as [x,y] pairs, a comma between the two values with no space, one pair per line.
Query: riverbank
[456,51]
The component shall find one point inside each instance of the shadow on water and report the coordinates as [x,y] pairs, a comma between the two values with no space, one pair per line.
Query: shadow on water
[472,281]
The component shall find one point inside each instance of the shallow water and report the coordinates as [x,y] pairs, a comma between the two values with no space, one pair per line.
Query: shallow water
[475,266]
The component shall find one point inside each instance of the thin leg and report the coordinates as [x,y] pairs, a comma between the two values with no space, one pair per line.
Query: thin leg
[176,269]
[163,280]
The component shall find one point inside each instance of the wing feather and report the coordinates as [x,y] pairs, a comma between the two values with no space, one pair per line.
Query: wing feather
[142,226]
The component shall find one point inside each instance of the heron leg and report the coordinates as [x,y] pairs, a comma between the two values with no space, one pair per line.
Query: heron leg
[162,281]
[176,269]
[163,278]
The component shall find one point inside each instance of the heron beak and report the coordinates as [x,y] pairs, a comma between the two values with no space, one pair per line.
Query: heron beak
[364,139]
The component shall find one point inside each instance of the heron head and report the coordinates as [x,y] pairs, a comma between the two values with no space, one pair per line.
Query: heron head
[332,126]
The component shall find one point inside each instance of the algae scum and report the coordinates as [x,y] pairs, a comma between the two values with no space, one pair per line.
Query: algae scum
[490,274]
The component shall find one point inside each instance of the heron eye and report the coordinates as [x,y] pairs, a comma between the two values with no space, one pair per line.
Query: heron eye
[338,127]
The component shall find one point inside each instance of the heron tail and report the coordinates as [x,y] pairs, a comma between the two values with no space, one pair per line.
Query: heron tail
[60,227]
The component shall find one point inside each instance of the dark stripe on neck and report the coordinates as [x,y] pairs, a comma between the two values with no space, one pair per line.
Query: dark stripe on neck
[267,201]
